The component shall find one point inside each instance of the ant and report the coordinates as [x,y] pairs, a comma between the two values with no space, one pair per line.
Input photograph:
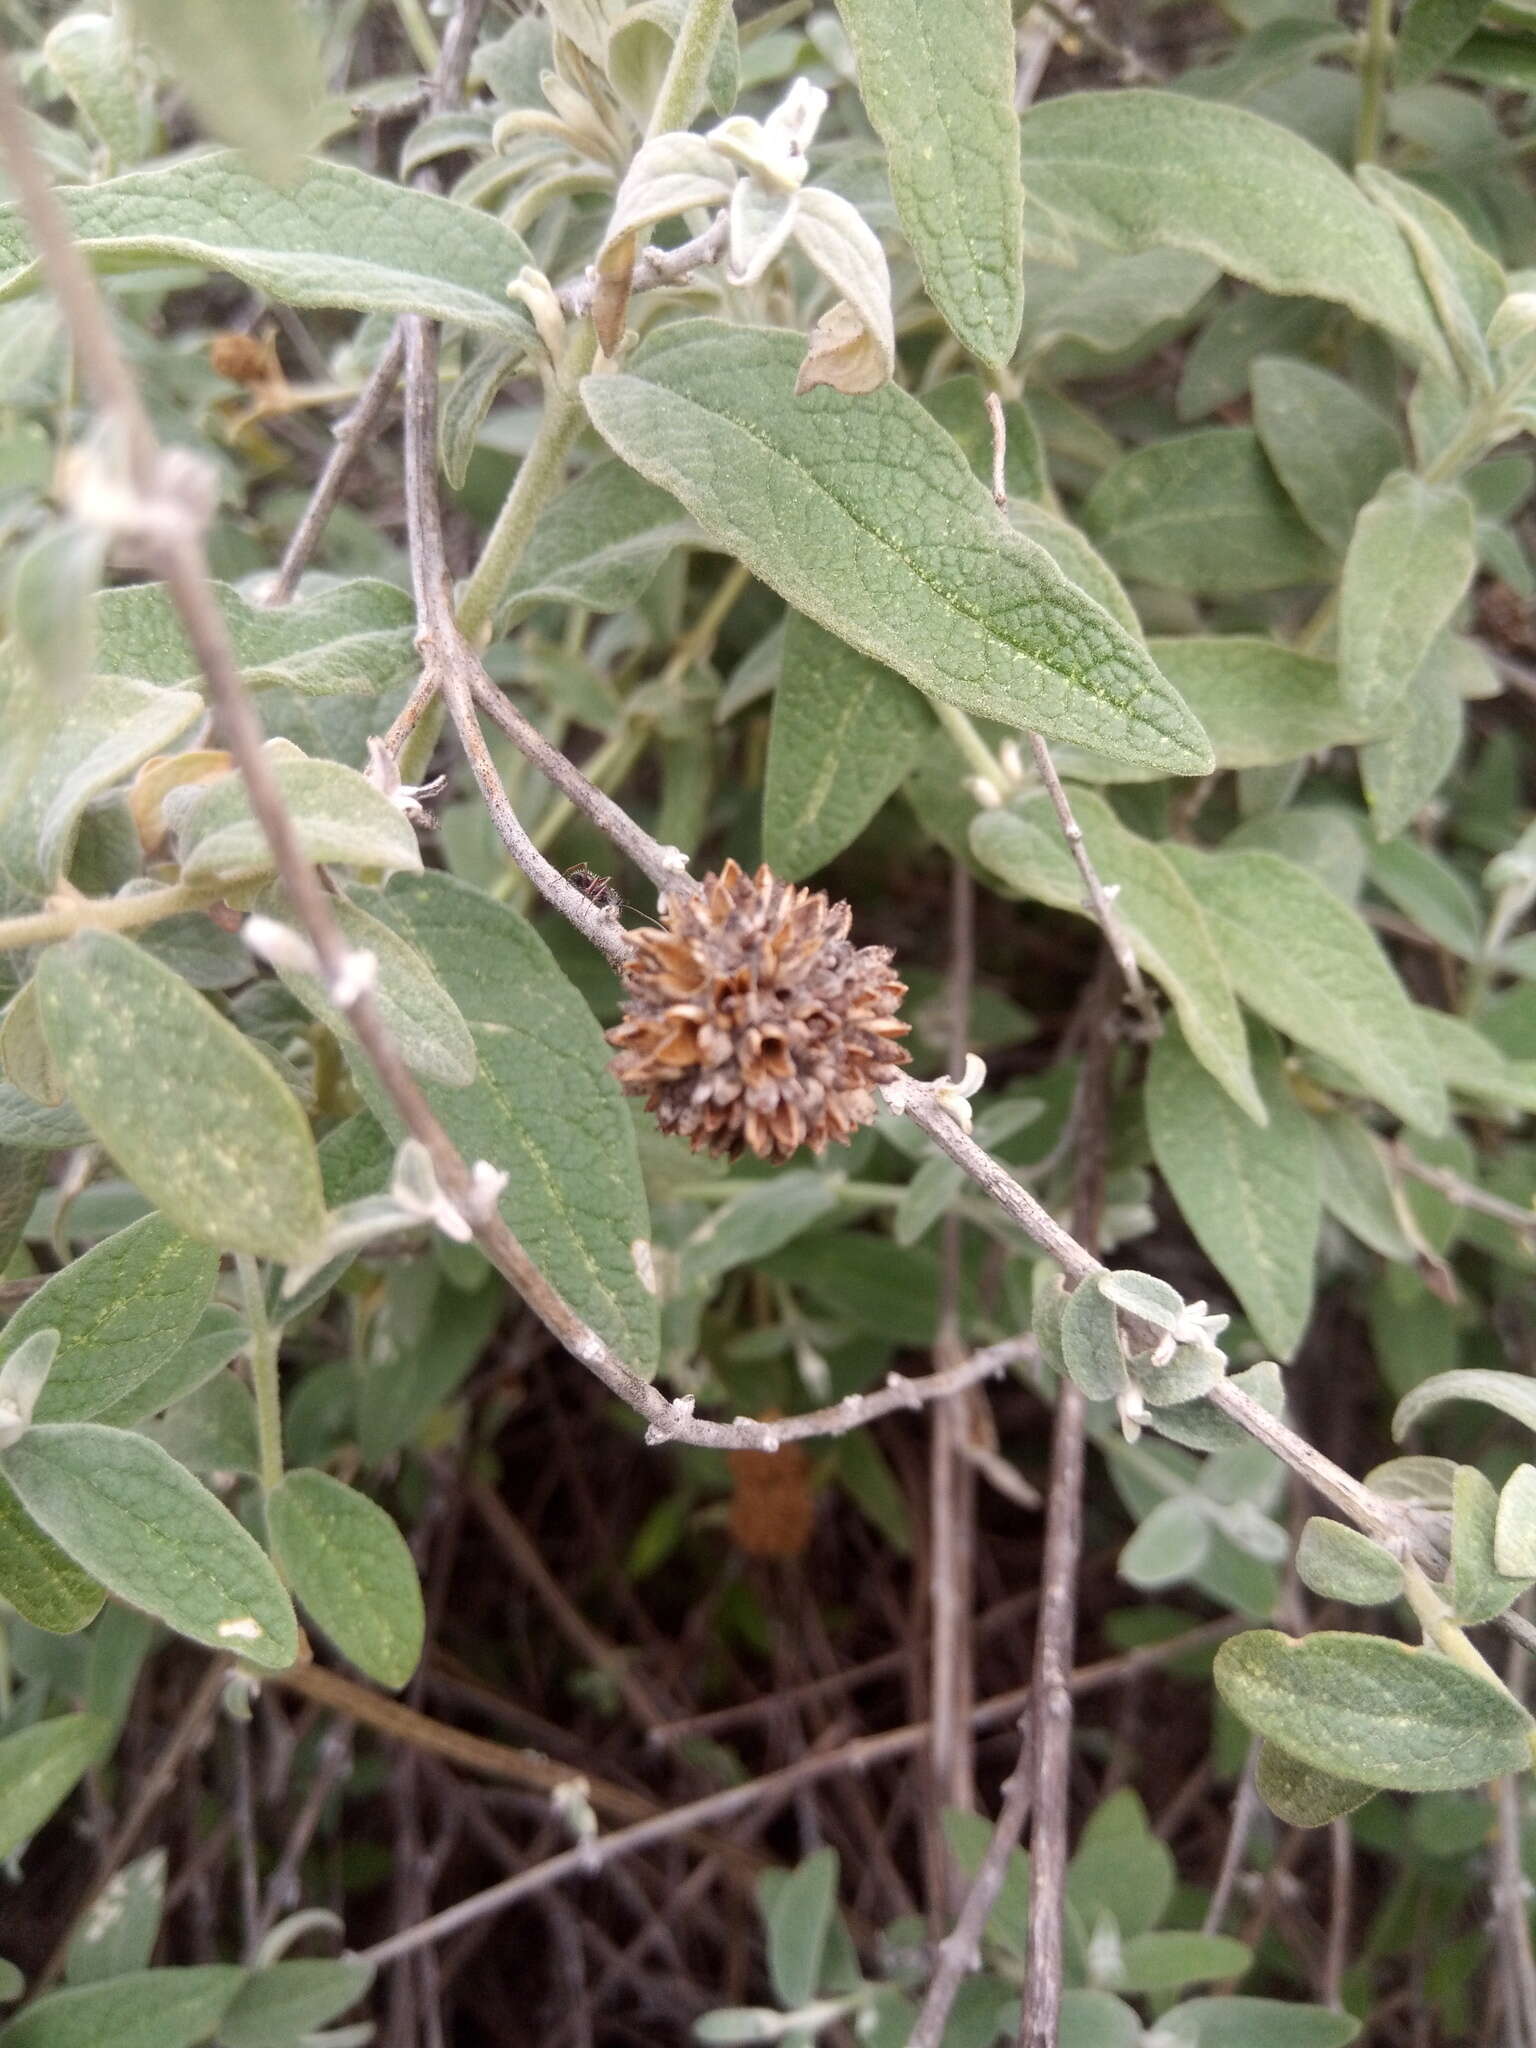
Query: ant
[600,892]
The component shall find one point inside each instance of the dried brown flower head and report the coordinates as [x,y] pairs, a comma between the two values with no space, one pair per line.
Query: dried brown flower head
[753,1022]
[772,1507]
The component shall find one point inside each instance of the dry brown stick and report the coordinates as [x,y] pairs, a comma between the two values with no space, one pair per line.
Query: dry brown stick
[1463,1192]
[189,1729]
[655,267]
[1340,1906]
[348,438]
[860,1755]
[951,1488]
[1245,1809]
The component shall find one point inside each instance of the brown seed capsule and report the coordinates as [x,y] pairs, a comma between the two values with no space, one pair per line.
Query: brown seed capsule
[245,358]
[753,1022]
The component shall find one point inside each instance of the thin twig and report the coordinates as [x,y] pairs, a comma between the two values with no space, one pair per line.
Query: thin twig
[1341,1845]
[654,268]
[1245,1811]
[1463,1192]
[349,436]
[959,1953]
[857,1756]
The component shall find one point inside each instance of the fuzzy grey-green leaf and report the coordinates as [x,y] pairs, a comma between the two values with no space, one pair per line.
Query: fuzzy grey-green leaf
[127,1513]
[1300,1793]
[1409,562]
[1139,168]
[338,816]
[864,514]
[1338,1563]
[331,236]
[40,1766]
[1329,446]
[211,1135]
[121,1309]
[167,2008]
[349,1567]
[44,1586]
[1514,1540]
[543,1107]
[845,732]
[1479,1589]
[1249,1194]
[938,87]
[1373,1710]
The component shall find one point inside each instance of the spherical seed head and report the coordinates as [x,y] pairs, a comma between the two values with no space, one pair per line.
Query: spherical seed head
[753,1023]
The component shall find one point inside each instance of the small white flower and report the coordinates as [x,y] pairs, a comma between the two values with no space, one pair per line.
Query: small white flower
[983,790]
[356,978]
[486,1183]
[279,945]
[408,798]
[954,1096]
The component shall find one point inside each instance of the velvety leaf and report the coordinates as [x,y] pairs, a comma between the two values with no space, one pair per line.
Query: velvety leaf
[219,1336]
[74,748]
[1255,2023]
[1355,1185]
[1090,1343]
[1109,302]
[938,88]
[1366,1708]
[1119,1866]
[1169,1546]
[1408,564]
[92,58]
[960,404]
[39,1768]
[845,732]
[755,1223]
[43,1585]
[110,1013]
[120,1309]
[798,1917]
[599,544]
[1465,283]
[154,1536]
[254,75]
[1163,919]
[1338,1563]
[170,2008]
[349,1567]
[1137,169]
[22,1174]
[1302,1795]
[1249,1194]
[1514,1541]
[864,514]
[1312,968]
[117,1935]
[1219,362]
[1401,771]
[1473,1065]
[1512,1393]
[1202,512]
[1077,559]
[414,1007]
[1429,32]
[543,1108]
[212,1429]
[338,815]
[1330,448]
[1478,1589]
[1162,1961]
[286,2002]
[331,236]
[1261,703]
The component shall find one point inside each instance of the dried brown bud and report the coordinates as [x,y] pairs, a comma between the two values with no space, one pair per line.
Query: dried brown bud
[753,1022]
[772,1504]
[245,358]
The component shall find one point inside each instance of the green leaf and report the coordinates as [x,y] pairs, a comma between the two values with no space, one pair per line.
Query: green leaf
[220,1335]
[1111,304]
[338,815]
[544,1107]
[1465,283]
[797,1912]
[43,1585]
[349,1567]
[1410,560]
[1330,448]
[1514,1537]
[599,544]
[1401,772]
[117,1935]
[1162,1962]
[1170,1545]
[39,1768]
[12,1982]
[93,60]
[173,2008]
[755,1223]
[1355,1185]
[1429,890]
[213,1429]
[960,405]
[414,1007]
[1077,559]
[1301,1795]
[1139,169]
[1377,1711]
[1249,1194]
[1090,1342]
[1089,2019]
[1429,32]
[284,2003]
[154,1536]
[331,236]
[1163,920]
[121,1309]
[110,1013]
[1512,1393]
[939,91]
[864,514]
[1312,968]
[22,1174]
[1478,1589]
[254,77]
[1218,366]
[1255,2023]
[1120,1867]
[1473,1065]
[72,749]
[1202,512]
[845,733]
[640,46]
[1338,1563]
[1260,703]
